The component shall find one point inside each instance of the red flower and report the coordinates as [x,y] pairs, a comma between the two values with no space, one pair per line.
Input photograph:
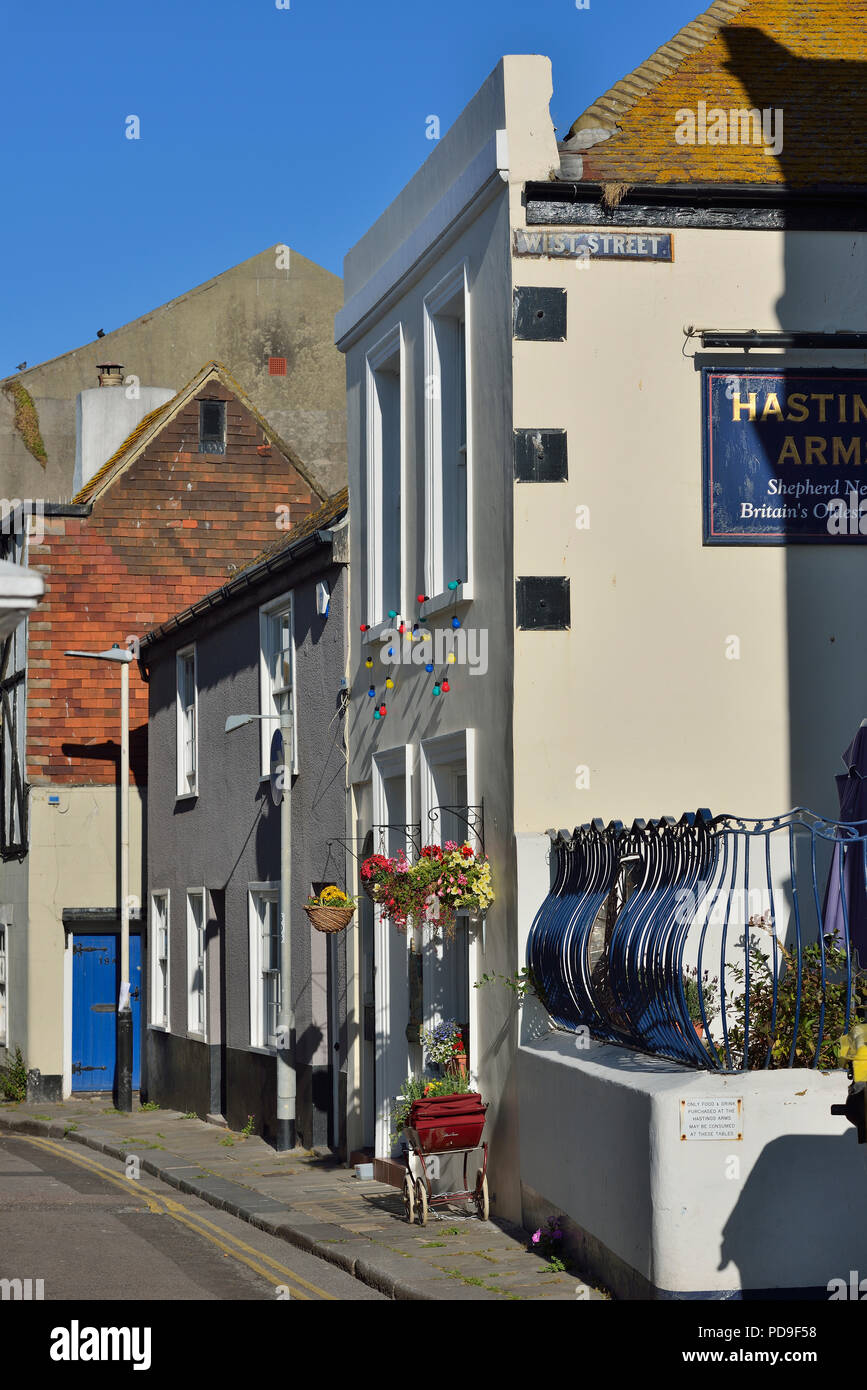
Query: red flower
[374,866]
[431,852]
[467,852]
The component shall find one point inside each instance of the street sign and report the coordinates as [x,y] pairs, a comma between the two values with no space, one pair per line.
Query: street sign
[595,245]
[277,765]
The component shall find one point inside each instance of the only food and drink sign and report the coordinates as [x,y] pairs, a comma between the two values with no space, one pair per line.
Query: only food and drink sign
[785,457]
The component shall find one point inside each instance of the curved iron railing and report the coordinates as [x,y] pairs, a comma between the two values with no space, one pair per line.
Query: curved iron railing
[763,916]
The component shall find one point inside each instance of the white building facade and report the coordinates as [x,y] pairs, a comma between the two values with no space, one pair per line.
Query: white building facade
[634,666]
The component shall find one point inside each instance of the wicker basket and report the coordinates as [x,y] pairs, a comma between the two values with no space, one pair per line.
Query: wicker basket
[330,919]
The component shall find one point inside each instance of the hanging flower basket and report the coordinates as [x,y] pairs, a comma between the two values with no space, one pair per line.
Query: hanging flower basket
[331,911]
[443,882]
[373,868]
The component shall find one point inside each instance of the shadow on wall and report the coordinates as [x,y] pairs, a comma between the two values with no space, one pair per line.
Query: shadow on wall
[793,1212]
[826,615]
[108,751]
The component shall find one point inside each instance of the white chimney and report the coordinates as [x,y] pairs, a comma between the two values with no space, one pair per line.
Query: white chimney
[105,418]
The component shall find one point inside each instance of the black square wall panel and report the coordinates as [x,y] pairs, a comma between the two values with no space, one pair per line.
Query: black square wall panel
[539,315]
[542,604]
[540,456]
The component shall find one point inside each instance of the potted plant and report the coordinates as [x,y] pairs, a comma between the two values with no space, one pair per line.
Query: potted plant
[444,1113]
[444,1046]
[331,910]
[695,991]
[775,1004]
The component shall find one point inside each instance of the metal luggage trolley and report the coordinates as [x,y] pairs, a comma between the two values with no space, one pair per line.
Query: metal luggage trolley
[450,1125]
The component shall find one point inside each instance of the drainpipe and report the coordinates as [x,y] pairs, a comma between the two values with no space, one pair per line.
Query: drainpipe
[286,1018]
[124,1017]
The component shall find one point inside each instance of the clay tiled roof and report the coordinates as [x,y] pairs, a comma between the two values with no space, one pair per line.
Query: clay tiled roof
[806,58]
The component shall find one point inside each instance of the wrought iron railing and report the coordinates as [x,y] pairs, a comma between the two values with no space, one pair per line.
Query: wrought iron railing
[718,942]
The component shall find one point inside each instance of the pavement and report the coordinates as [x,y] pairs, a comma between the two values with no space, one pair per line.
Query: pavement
[314,1202]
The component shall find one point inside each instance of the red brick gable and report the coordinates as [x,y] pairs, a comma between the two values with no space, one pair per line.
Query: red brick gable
[171,527]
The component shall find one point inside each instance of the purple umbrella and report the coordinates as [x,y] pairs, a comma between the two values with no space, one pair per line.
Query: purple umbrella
[852,791]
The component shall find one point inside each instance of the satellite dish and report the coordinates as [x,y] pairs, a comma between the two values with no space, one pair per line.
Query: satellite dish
[277,765]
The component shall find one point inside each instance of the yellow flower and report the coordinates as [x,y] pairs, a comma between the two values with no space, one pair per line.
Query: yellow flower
[332,895]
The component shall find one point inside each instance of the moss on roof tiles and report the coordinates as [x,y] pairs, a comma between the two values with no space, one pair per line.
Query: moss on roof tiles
[808,60]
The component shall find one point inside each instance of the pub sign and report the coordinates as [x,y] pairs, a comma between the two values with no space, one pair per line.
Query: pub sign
[785,457]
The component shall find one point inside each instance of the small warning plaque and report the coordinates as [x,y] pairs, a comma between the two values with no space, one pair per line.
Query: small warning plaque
[712,1117]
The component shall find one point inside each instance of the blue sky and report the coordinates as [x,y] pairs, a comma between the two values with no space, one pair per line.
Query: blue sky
[258,125]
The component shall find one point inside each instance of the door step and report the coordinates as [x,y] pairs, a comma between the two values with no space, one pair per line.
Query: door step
[390,1170]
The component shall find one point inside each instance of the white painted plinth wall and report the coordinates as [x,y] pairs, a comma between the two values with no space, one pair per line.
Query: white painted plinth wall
[600,1143]
[785,1207]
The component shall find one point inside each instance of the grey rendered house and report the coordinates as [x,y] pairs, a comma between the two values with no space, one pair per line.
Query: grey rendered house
[276,630]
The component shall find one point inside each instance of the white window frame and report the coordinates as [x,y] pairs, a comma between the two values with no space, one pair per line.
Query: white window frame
[258,893]
[160,988]
[438,303]
[193,961]
[4,980]
[187,783]
[389,346]
[277,607]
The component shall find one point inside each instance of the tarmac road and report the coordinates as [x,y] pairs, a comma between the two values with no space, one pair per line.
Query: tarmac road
[75,1221]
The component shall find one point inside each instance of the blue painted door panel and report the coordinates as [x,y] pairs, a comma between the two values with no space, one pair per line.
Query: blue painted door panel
[95,987]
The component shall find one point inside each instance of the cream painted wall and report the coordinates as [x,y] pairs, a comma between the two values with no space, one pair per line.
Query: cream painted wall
[641,691]
[73,859]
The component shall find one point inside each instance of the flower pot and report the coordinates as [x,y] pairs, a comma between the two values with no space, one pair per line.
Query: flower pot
[699,1029]
[330,919]
[457,1065]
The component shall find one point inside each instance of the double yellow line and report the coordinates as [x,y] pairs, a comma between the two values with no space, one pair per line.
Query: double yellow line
[230,1245]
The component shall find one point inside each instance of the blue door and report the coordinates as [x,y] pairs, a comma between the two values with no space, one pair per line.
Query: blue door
[95,988]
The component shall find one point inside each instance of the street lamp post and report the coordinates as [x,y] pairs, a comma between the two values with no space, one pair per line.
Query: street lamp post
[123,1017]
[280,783]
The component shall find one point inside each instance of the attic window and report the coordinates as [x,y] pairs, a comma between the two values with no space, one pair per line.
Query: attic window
[276,366]
[212,427]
